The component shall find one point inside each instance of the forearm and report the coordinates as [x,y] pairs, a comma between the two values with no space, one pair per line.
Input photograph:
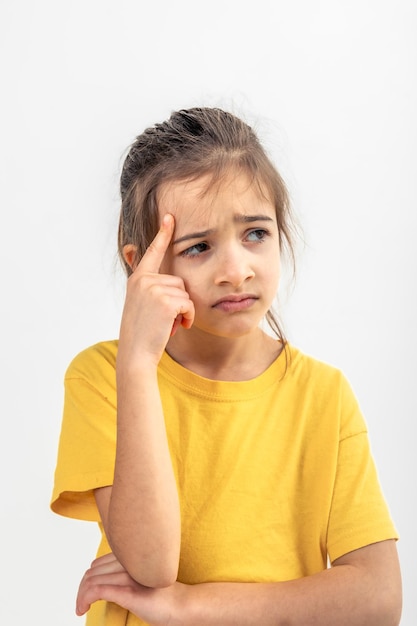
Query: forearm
[342,596]
[362,589]
[144,518]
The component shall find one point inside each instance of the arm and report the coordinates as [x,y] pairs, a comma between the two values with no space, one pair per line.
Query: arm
[363,588]
[140,512]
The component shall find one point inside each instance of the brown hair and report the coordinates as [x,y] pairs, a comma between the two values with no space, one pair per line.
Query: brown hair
[191,143]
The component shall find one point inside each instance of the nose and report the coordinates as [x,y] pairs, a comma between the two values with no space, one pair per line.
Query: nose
[233,267]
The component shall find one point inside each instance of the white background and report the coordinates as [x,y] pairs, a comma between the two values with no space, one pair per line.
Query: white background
[332,88]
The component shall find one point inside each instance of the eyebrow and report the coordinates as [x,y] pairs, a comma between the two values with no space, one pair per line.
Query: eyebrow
[239,217]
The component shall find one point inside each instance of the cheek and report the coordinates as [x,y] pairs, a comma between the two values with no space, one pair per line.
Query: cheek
[272,264]
[194,287]
[272,279]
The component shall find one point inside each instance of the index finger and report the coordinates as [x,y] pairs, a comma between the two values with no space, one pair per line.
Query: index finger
[154,255]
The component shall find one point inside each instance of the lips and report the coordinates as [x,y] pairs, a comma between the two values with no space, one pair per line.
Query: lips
[235,302]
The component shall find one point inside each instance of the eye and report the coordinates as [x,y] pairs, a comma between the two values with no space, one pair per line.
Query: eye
[257,235]
[195,250]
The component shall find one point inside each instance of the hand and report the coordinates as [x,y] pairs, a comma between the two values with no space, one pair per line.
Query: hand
[156,304]
[108,580]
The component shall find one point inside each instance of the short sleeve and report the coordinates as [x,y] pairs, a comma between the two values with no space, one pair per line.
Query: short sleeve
[86,451]
[359,513]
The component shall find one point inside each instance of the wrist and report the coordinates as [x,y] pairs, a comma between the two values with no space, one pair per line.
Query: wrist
[138,367]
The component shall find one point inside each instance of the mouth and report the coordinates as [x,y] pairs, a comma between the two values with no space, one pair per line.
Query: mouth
[235,302]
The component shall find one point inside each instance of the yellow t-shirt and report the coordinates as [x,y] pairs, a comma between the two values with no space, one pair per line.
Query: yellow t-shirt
[274,474]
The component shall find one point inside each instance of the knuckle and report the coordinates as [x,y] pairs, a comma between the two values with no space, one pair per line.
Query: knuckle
[167,301]
[139,281]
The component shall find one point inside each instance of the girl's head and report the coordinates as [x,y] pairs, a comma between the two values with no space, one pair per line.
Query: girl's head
[193,143]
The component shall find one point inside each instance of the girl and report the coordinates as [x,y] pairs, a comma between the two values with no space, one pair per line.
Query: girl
[232,468]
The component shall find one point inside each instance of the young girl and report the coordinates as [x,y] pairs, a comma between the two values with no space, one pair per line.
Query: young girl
[225,468]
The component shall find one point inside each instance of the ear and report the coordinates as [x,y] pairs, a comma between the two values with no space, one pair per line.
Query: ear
[129,255]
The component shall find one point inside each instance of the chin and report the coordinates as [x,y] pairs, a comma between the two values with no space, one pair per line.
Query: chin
[232,332]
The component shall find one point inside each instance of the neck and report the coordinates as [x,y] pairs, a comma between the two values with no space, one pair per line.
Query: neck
[224,358]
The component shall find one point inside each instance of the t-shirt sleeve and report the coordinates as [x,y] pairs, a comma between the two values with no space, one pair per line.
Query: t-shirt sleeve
[359,513]
[86,450]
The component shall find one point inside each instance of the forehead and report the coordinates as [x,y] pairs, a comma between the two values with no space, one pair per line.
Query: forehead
[201,197]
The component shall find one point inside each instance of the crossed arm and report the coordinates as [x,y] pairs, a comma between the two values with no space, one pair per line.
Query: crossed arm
[362,588]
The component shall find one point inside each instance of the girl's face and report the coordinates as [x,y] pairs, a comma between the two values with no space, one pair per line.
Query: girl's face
[225,247]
